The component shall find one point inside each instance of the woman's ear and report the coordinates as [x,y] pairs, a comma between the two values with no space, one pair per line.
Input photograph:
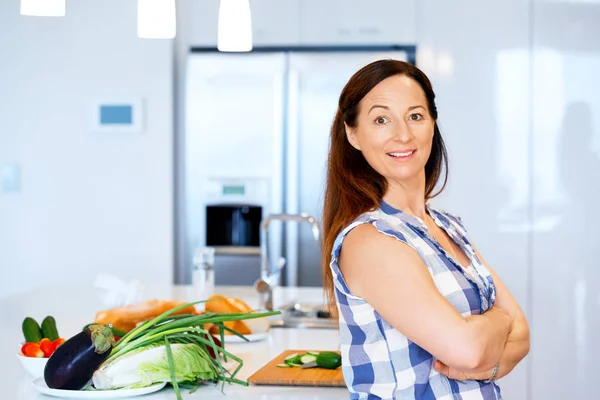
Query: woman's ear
[351,136]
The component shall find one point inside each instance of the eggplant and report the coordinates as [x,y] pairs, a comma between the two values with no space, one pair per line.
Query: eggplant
[211,351]
[73,363]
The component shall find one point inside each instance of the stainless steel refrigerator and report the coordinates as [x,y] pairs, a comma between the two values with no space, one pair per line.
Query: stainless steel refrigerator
[263,119]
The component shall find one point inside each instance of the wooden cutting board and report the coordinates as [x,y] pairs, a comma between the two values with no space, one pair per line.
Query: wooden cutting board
[271,374]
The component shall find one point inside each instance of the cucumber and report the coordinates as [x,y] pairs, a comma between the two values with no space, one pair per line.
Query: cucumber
[305,359]
[49,328]
[32,330]
[292,359]
[312,359]
[329,360]
[284,366]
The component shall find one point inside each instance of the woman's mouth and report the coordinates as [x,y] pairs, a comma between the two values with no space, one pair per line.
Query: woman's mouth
[402,155]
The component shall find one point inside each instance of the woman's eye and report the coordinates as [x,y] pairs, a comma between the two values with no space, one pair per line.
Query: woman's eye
[381,120]
[416,117]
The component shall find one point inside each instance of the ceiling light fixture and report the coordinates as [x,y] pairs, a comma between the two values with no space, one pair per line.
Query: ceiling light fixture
[44,8]
[235,26]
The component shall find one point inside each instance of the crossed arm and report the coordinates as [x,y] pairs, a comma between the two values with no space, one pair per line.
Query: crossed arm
[469,347]
[517,344]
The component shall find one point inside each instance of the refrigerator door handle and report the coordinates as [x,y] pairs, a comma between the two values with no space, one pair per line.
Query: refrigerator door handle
[274,238]
[292,178]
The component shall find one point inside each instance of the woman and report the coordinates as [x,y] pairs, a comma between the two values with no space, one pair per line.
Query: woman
[422,316]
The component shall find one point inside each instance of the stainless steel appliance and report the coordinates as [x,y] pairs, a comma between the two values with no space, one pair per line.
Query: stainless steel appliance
[230,226]
[263,118]
[233,230]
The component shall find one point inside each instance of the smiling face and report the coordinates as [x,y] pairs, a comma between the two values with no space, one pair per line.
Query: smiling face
[394,130]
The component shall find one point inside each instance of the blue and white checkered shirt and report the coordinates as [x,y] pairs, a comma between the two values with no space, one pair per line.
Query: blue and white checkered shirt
[378,361]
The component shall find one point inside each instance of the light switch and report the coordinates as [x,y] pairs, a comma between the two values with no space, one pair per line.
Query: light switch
[10,179]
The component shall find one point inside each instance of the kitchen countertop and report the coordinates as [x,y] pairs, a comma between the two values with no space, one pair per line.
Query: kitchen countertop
[73,306]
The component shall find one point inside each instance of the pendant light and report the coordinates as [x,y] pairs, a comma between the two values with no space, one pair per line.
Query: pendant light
[235,26]
[44,8]
[156,19]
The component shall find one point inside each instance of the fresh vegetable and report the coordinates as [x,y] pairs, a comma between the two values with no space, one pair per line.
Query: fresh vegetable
[307,358]
[72,364]
[150,364]
[24,347]
[31,330]
[32,350]
[49,328]
[328,359]
[292,359]
[180,342]
[210,350]
[47,346]
[117,333]
[312,359]
[58,342]
[45,338]
[171,347]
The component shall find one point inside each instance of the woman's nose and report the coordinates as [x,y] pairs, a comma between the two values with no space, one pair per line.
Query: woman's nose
[402,133]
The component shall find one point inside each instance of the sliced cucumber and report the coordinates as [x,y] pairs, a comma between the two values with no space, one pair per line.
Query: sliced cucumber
[293,359]
[312,359]
[308,358]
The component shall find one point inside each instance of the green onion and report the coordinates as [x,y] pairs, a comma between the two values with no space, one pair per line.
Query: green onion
[187,328]
[172,368]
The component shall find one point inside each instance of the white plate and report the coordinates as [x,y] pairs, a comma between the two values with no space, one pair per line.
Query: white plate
[255,337]
[41,387]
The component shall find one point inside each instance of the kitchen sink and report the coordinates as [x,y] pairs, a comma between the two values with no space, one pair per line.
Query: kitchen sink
[304,316]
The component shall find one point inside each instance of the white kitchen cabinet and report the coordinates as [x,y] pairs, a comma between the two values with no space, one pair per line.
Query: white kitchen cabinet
[274,22]
[353,22]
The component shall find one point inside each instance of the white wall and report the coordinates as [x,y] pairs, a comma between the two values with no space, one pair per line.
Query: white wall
[89,202]
[566,193]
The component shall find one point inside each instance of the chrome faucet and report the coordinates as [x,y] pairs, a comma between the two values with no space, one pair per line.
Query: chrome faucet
[269,279]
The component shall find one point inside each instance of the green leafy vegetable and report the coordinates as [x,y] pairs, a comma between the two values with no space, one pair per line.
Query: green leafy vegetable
[172,348]
[151,364]
[172,368]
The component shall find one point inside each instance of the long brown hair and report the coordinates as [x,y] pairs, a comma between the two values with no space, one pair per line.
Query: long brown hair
[353,186]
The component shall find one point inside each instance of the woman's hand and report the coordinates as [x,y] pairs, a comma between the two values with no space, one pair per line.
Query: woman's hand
[460,375]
